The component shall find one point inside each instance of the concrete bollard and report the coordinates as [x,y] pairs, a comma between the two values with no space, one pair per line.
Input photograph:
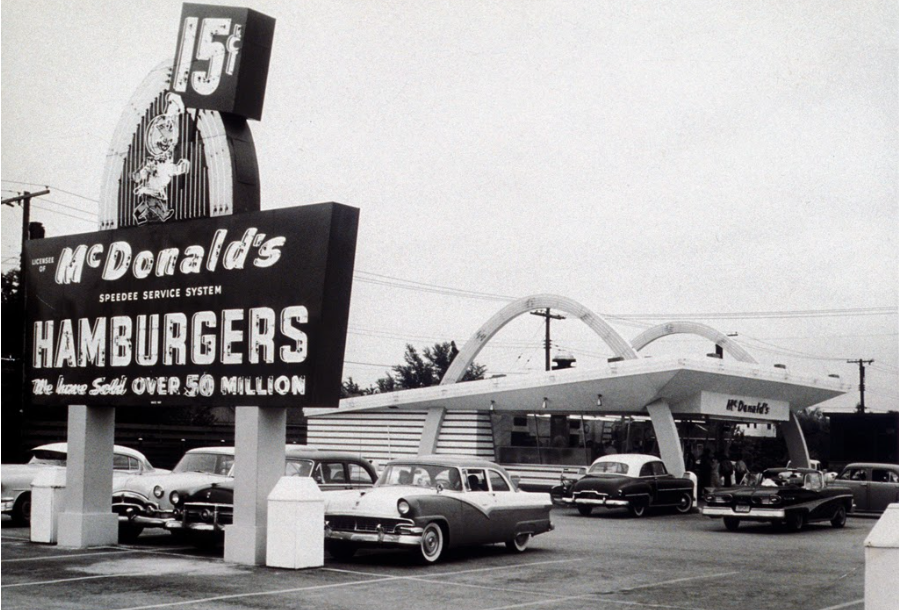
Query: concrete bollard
[47,491]
[881,560]
[295,535]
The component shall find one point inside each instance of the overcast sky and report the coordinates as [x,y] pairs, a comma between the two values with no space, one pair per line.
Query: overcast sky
[732,160]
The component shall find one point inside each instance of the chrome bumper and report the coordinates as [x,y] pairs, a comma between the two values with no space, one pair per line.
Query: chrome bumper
[145,521]
[600,502]
[180,526]
[411,536]
[755,513]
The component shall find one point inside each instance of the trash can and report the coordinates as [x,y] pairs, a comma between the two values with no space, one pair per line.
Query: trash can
[295,532]
[881,559]
[47,492]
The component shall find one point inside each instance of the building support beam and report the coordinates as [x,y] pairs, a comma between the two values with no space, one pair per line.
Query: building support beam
[87,518]
[430,434]
[667,436]
[260,438]
[795,439]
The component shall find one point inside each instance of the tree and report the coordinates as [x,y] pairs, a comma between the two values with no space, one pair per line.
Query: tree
[420,370]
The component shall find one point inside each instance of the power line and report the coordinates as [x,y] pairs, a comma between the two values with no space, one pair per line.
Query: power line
[55,188]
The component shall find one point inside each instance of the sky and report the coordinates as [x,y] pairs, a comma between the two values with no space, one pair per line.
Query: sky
[732,163]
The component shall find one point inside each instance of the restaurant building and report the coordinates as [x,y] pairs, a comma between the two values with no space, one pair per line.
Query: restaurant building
[539,425]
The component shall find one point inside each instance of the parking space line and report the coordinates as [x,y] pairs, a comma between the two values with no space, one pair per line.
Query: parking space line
[99,554]
[68,580]
[263,593]
[592,596]
[857,602]
[669,582]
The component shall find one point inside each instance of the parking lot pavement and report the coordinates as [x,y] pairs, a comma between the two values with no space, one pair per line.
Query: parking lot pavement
[681,562]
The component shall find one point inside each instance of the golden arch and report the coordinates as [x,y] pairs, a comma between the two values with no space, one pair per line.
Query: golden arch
[693,328]
[473,346]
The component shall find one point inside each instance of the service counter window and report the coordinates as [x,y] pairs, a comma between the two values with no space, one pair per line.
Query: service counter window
[529,438]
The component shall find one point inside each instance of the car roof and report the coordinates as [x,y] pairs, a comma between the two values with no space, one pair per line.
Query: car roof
[633,460]
[872,465]
[64,448]
[293,451]
[458,461]
[790,469]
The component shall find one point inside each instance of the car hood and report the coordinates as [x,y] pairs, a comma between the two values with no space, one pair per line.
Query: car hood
[184,482]
[375,501]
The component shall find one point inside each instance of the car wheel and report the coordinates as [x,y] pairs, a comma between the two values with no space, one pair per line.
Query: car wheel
[795,521]
[637,509]
[341,551]
[21,512]
[685,503]
[519,543]
[129,533]
[431,547]
[732,523]
[584,509]
[839,519]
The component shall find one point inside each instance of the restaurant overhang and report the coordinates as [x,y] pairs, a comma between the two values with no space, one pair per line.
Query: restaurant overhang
[690,386]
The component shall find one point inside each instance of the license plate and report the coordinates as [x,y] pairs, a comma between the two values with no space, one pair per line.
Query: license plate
[741,508]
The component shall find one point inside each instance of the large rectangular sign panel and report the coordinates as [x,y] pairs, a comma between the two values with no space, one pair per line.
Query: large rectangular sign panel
[249,309]
[744,407]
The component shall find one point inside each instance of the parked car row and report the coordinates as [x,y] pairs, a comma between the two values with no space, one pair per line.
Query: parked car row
[432,503]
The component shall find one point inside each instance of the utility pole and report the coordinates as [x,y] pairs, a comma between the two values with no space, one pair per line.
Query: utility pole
[861,381]
[25,200]
[546,343]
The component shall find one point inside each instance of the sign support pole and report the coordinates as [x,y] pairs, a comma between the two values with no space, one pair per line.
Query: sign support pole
[87,519]
[259,452]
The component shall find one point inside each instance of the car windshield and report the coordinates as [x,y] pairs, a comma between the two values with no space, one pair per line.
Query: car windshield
[781,478]
[50,458]
[211,463]
[422,475]
[608,468]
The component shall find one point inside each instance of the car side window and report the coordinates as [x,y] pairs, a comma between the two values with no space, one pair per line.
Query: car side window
[497,482]
[884,476]
[359,475]
[123,462]
[658,469]
[476,479]
[333,472]
[646,470]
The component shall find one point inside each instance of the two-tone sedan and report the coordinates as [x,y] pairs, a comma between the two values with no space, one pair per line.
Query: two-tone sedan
[633,481]
[146,501]
[432,503]
[791,497]
[204,513]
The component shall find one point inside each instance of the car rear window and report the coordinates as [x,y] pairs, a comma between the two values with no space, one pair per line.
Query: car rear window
[608,468]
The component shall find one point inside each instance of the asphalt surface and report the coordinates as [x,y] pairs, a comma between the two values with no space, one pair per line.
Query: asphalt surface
[605,561]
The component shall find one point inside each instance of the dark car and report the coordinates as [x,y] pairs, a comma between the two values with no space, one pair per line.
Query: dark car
[203,513]
[792,497]
[431,503]
[630,480]
[874,486]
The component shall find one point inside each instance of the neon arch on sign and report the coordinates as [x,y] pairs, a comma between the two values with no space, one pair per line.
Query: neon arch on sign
[473,346]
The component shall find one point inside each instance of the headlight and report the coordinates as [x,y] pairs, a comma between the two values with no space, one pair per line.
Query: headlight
[769,500]
[158,491]
[719,499]
[403,507]
[175,497]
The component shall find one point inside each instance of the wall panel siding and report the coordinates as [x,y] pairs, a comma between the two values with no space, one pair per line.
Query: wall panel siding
[376,436]
[466,433]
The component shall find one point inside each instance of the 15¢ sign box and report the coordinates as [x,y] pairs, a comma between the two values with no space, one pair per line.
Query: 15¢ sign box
[249,309]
